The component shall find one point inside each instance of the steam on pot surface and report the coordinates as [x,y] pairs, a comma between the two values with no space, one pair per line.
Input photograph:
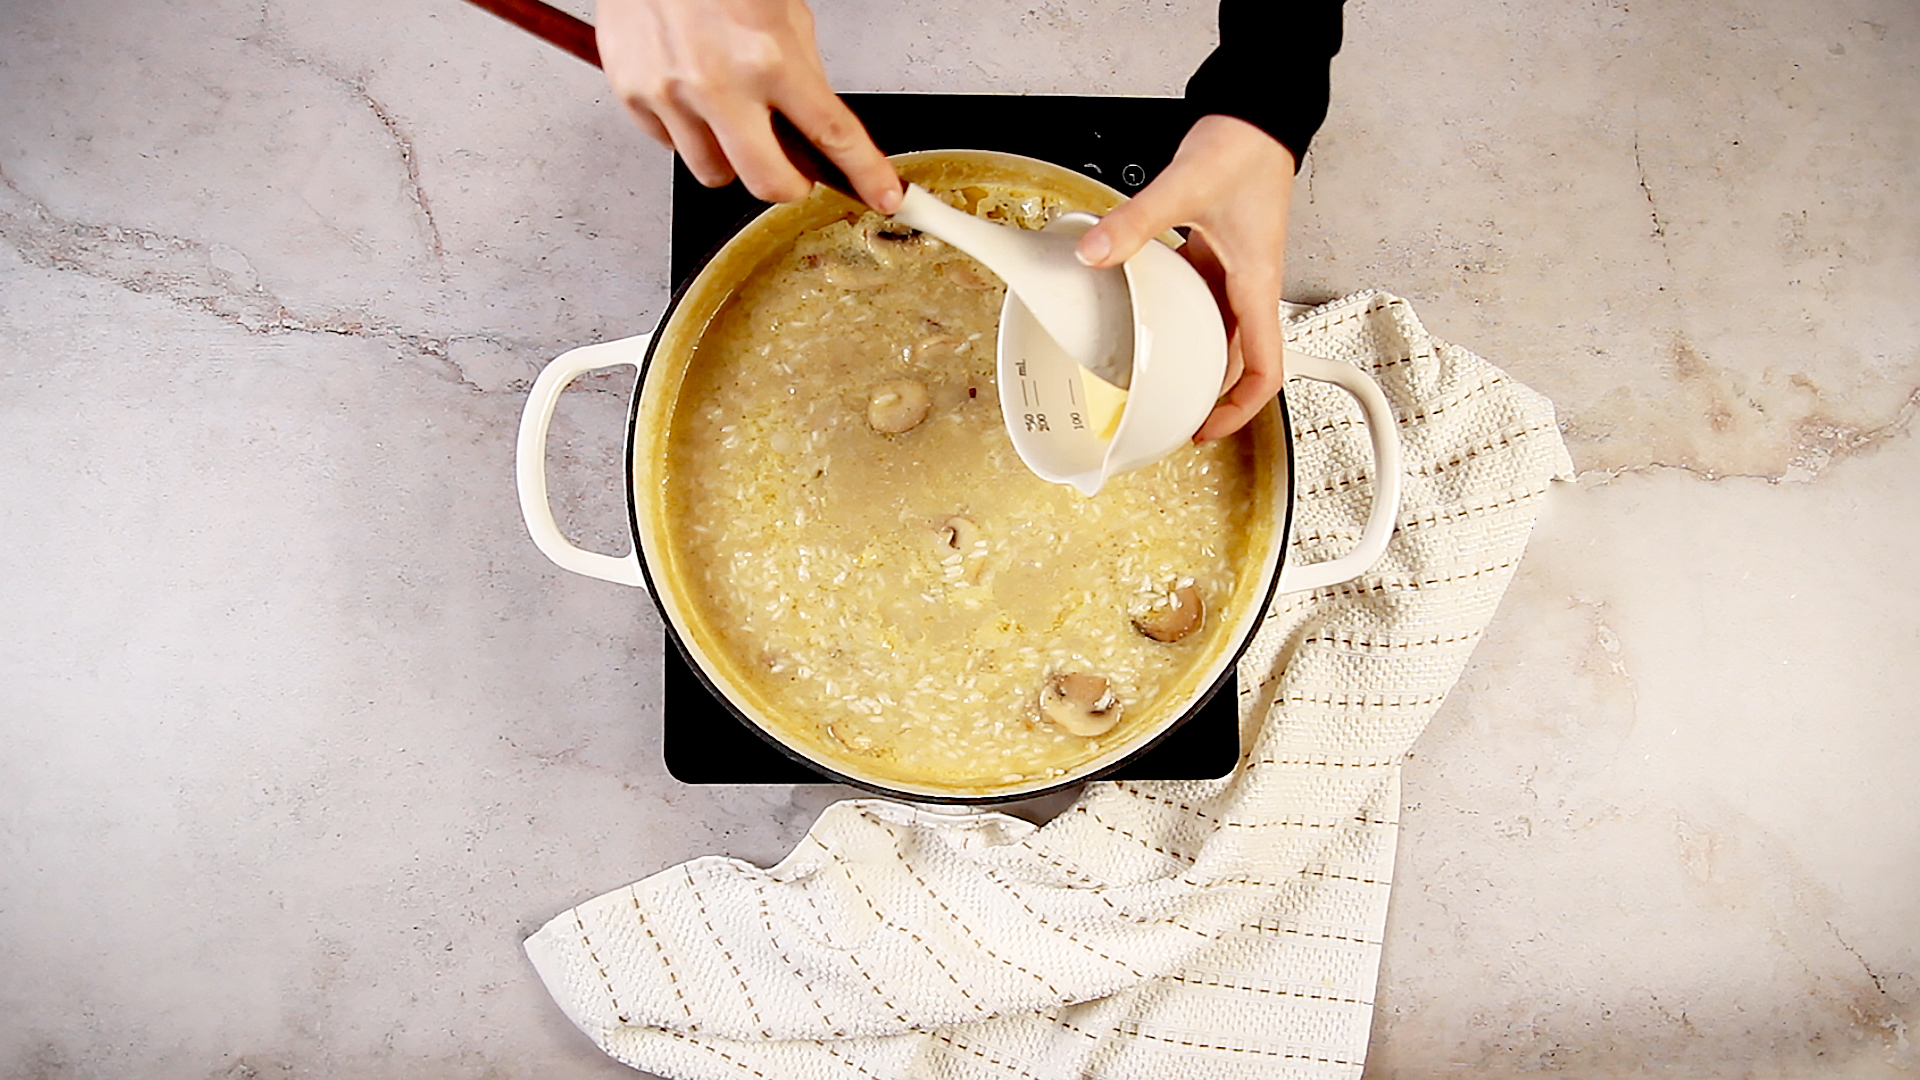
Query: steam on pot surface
[871,563]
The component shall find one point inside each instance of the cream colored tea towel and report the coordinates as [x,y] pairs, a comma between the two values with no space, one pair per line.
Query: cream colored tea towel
[1156,931]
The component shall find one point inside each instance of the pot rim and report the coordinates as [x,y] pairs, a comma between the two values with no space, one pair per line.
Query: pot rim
[697,280]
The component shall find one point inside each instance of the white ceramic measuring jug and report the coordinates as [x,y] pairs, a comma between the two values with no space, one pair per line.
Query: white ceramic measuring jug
[1059,417]
[1179,363]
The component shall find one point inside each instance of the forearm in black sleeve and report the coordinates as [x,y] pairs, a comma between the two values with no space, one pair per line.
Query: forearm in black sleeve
[1271,67]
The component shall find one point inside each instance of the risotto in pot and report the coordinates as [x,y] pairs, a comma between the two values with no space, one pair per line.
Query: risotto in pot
[872,560]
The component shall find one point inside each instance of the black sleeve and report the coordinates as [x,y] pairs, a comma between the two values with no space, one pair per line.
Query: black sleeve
[1271,67]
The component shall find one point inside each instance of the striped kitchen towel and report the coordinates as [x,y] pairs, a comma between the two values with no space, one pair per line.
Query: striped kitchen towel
[1204,929]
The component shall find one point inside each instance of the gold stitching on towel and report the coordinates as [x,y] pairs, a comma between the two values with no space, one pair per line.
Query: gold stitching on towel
[1325,873]
[1428,583]
[1326,761]
[1169,853]
[1326,323]
[954,918]
[673,978]
[1133,1028]
[855,961]
[1262,926]
[917,940]
[1503,441]
[806,894]
[837,1052]
[1265,884]
[951,917]
[1422,411]
[1428,519]
[942,965]
[1060,864]
[1226,823]
[745,994]
[1365,701]
[620,1014]
[702,1044]
[1083,1032]
[953,1040]
[995,877]
[1354,639]
[1386,585]
[773,937]
[1438,517]
[1223,984]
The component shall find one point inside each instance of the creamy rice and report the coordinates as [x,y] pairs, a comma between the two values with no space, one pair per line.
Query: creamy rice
[823,552]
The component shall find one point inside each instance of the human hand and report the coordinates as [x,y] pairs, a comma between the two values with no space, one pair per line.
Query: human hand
[705,76]
[1233,183]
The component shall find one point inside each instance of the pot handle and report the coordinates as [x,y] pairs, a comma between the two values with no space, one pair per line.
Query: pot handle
[1384,431]
[530,460]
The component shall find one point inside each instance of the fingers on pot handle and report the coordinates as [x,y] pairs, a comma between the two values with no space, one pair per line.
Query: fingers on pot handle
[530,465]
[1384,432]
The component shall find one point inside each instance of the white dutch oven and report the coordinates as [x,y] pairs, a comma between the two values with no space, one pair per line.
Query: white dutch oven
[662,358]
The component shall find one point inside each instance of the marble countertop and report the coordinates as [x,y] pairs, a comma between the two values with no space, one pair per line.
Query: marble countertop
[302,736]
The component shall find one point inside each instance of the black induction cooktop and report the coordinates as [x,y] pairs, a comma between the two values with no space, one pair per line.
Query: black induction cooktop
[1122,141]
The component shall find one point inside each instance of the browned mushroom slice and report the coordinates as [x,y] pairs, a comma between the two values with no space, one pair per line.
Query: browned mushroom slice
[961,534]
[963,548]
[897,405]
[1181,614]
[1082,704]
[887,241]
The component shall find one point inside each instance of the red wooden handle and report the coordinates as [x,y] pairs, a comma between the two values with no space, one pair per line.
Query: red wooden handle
[575,36]
[548,22]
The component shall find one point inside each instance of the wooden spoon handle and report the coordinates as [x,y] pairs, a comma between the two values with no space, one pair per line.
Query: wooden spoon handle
[547,22]
[576,36]
[809,160]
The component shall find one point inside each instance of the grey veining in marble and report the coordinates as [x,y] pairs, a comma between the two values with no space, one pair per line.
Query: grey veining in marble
[301,735]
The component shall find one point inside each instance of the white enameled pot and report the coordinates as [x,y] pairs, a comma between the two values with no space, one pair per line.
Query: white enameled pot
[662,358]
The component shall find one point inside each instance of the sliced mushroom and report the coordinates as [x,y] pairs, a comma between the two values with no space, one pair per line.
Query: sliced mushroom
[888,241]
[961,534]
[1082,704]
[964,548]
[897,405]
[1180,615]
